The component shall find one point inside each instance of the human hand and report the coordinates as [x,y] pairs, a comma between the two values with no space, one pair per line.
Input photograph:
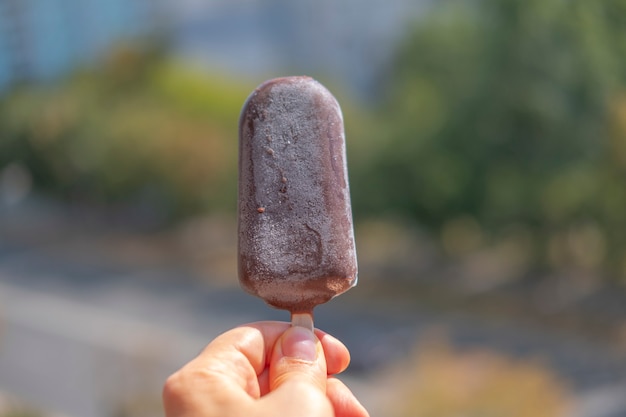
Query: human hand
[264,369]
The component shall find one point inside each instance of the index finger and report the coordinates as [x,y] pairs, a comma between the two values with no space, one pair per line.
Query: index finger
[225,372]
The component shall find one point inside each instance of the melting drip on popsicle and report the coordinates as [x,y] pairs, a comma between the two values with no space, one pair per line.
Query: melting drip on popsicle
[296,240]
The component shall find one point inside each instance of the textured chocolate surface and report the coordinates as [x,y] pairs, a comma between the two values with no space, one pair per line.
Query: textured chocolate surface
[296,241]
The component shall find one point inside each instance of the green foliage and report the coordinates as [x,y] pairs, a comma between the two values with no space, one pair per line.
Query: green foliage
[139,128]
[511,113]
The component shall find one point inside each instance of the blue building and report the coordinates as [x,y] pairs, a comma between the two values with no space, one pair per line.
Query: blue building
[43,39]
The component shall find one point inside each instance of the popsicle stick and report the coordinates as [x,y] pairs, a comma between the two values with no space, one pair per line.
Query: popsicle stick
[303,320]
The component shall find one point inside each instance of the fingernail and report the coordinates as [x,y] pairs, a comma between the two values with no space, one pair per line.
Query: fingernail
[299,343]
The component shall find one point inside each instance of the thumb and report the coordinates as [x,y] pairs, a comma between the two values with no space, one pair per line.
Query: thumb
[297,374]
[298,354]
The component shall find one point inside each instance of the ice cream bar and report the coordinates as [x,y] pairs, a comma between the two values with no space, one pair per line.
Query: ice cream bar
[296,240]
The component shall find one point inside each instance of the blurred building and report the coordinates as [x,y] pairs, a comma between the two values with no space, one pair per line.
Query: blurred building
[42,39]
[349,41]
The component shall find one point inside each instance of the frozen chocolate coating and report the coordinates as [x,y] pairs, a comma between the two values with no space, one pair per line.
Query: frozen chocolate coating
[296,241]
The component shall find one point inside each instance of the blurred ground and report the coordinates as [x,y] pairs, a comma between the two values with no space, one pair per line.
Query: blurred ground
[95,316]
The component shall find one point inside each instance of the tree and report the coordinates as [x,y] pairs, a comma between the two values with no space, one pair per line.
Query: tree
[511,113]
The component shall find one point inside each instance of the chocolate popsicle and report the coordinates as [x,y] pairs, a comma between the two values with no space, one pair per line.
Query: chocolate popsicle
[296,240]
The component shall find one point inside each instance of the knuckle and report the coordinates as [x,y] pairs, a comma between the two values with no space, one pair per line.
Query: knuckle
[172,389]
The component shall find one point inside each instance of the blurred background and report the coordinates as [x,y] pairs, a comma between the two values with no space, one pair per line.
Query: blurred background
[487,160]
